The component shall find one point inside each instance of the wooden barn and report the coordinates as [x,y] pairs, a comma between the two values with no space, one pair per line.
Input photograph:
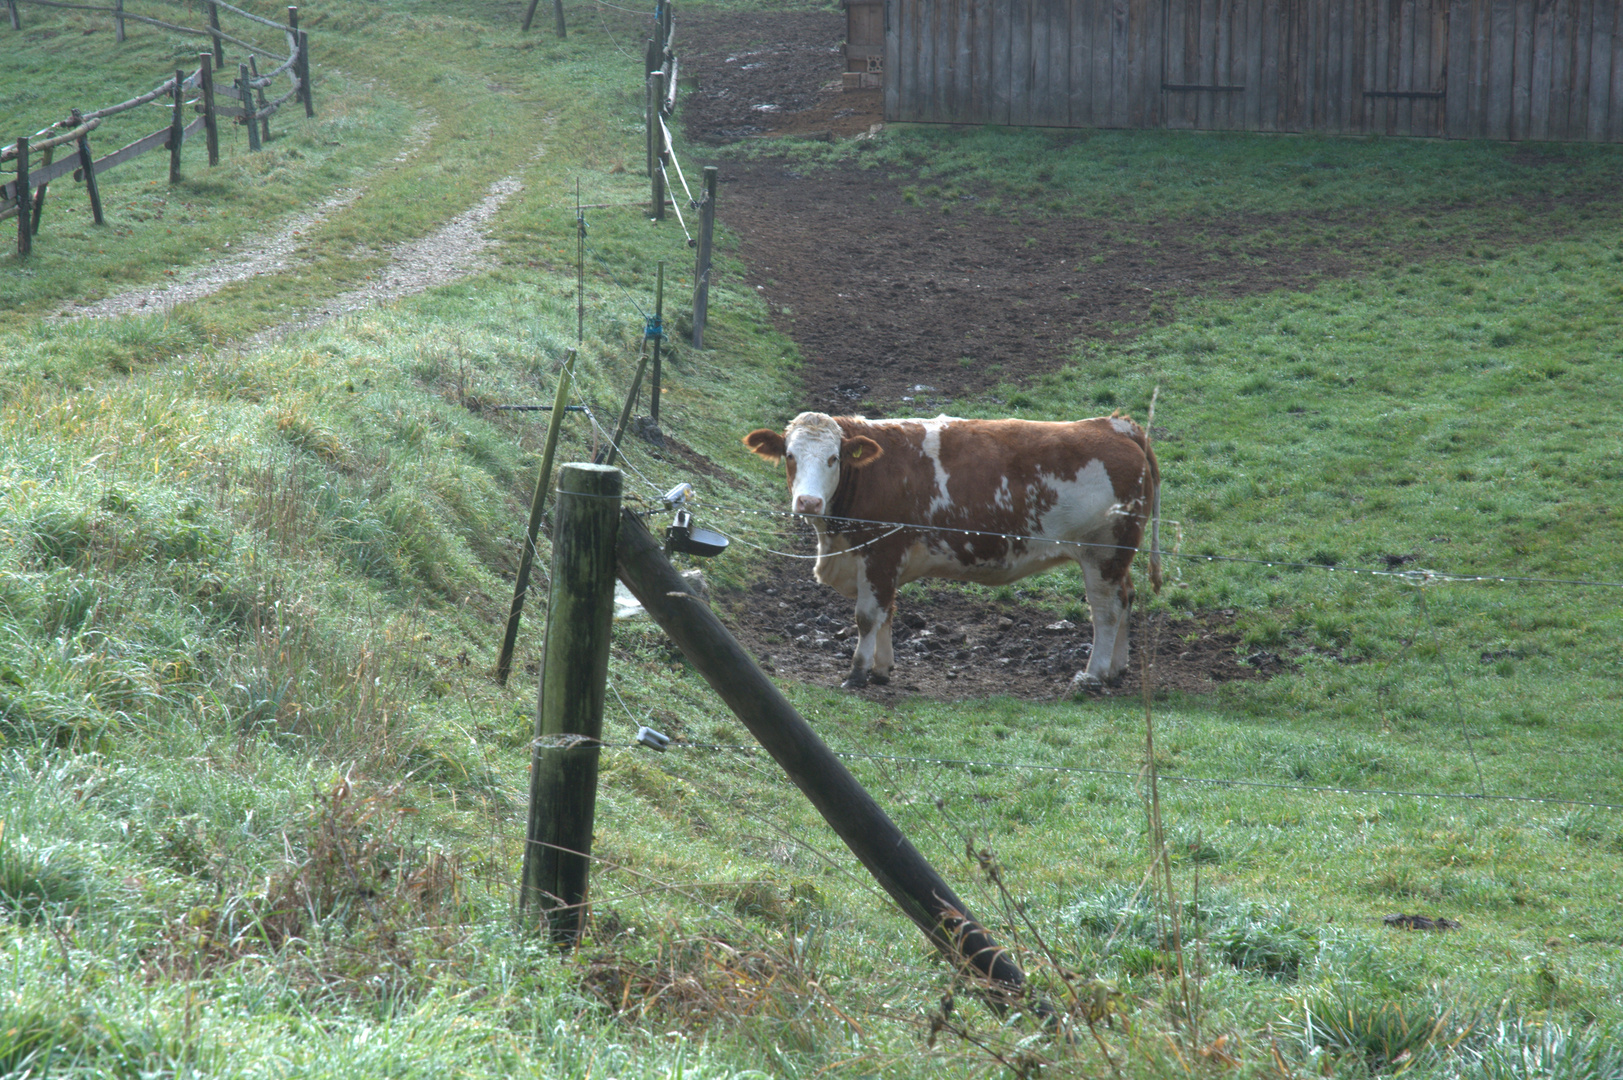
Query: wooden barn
[1458,69]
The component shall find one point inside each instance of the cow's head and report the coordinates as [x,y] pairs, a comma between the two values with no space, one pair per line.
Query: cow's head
[815,447]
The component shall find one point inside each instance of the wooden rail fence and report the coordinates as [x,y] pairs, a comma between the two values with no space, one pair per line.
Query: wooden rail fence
[34,157]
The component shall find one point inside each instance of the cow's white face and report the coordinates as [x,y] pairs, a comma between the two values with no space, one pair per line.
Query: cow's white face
[812,454]
[813,447]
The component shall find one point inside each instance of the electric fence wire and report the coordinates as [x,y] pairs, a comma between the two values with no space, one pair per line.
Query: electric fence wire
[1129,774]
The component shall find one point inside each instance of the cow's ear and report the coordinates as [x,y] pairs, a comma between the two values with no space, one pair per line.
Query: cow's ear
[768,443]
[861,451]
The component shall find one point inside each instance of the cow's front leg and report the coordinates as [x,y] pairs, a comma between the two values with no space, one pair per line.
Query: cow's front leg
[873,612]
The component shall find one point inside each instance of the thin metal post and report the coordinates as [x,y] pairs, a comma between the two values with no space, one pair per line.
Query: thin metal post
[657,332]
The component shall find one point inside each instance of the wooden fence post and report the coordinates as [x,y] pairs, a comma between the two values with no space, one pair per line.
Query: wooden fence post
[25,209]
[558,15]
[87,166]
[538,507]
[245,87]
[39,196]
[569,713]
[657,332]
[866,829]
[301,67]
[177,127]
[118,21]
[16,23]
[656,96]
[259,96]
[219,42]
[211,122]
[529,16]
[306,91]
[701,273]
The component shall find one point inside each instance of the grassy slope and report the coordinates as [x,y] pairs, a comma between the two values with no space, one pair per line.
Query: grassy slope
[230,576]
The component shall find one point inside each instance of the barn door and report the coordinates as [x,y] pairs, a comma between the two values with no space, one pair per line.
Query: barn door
[1406,67]
[1203,64]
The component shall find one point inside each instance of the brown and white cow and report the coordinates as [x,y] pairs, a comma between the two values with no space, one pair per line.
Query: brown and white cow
[989,501]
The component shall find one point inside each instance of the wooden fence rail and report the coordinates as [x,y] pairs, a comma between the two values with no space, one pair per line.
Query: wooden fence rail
[24,196]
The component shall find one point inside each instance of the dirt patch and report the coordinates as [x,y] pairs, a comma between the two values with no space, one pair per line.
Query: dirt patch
[763,75]
[953,644]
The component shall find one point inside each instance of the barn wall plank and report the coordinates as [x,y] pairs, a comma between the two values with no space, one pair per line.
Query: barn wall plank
[1613,128]
[1542,60]
[1561,56]
[1501,68]
[1521,98]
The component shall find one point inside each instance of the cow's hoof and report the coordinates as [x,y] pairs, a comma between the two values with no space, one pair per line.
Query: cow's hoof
[878,679]
[855,681]
[1086,680]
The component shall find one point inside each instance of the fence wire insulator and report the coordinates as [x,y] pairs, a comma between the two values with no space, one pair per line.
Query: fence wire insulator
[654,740]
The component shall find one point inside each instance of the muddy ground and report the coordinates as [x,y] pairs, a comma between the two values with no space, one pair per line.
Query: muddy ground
[900,308]
[952,644]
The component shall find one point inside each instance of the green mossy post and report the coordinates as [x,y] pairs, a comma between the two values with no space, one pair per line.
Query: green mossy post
[701,272]
[866,829]
[538,508]
[569,714]
[558,14]
[662,153]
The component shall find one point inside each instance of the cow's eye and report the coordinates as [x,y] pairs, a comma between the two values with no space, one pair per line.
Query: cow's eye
[832,458]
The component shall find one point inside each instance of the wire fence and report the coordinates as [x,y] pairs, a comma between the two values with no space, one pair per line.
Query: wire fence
[771,530]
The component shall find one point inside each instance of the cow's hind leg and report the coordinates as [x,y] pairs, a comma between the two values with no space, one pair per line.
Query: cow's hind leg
[1109,600]
[884,656]
[872,619]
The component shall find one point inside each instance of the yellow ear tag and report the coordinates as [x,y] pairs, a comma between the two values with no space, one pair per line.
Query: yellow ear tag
[856,453]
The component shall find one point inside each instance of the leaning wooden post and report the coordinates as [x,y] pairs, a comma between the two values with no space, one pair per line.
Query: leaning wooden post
[259,96]
[39,196]
[569,713]
[538,509]
[529,16]
[25,209]
[211,121]
[118,21]
[558,15]
[87,169]
[177,127]
[656,97]
[701,272]
[245,88]
[625,413]
[866,829]
[656,330]
[214,33]
[16,23]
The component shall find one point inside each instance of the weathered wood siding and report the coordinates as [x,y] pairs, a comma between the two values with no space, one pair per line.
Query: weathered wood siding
[1463,69]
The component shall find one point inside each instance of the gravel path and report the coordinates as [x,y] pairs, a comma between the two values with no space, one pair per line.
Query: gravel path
[457,249]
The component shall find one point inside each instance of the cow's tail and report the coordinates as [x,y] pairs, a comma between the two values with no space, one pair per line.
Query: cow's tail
[1153,479]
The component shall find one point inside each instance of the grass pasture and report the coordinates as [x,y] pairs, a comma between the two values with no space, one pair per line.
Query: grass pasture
[262,805]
